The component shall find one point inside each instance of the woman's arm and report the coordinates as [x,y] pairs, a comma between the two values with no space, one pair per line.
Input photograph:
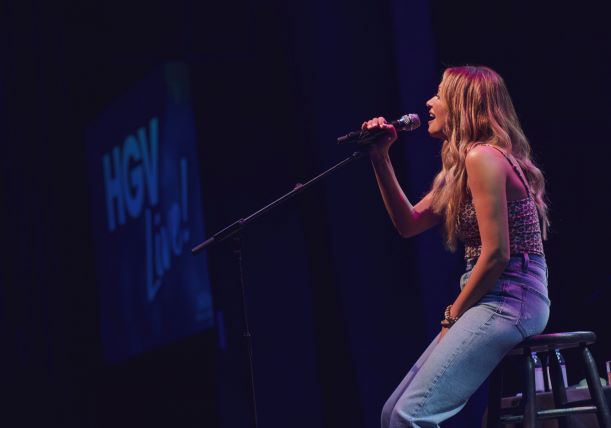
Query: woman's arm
[409,220]
[487,179]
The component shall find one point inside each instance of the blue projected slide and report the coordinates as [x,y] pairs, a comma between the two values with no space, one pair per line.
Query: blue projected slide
[146,215]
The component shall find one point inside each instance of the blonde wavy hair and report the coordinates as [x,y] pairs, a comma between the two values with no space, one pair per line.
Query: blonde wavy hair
[479,111]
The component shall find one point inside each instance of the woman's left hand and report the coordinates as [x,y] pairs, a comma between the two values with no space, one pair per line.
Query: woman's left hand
[443,332]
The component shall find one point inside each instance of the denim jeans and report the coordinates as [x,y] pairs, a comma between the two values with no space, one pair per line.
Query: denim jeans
[450,371]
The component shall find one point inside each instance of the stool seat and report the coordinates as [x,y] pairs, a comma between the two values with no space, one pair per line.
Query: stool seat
[548,342]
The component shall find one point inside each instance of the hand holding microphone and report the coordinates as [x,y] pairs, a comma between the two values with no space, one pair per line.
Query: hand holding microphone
[377,130]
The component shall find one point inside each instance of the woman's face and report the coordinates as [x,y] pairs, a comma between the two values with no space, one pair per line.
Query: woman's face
[438,114]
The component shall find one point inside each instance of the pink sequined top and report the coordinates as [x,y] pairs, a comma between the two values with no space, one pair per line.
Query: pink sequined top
[524,227]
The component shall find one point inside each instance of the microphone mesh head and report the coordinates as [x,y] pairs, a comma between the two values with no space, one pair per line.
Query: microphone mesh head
[410,122]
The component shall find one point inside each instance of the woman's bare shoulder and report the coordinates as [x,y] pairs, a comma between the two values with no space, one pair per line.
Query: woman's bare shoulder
[485,155]
[487,167]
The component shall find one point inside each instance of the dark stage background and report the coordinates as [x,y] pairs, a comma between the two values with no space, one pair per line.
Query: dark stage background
[340,305]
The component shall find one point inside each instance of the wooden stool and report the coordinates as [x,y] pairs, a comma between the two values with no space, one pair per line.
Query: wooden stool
[527,412]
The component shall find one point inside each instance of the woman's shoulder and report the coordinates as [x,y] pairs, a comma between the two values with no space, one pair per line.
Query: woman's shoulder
[486,170]
[485,154]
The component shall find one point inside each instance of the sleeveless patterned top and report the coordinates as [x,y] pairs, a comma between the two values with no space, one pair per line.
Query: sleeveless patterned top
[524,226]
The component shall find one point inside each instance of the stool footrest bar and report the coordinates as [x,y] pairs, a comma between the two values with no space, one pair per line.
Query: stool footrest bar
[552,413]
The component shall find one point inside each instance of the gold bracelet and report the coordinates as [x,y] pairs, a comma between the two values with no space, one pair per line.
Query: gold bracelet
[449,318]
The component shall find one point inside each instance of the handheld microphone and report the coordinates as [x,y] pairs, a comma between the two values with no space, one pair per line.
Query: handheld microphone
[408,122]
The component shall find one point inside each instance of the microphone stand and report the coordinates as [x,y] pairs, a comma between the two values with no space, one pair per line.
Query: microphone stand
[234,230]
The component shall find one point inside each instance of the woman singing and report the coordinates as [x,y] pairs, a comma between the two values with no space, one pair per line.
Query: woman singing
[490,195]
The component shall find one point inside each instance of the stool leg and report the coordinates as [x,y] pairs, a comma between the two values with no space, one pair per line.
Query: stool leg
[559,391]
[530,394]
[596,390]
[495,390]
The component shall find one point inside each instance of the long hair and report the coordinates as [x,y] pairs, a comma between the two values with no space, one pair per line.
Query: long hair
[479,111]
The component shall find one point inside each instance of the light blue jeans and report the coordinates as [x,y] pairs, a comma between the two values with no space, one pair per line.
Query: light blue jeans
[450,371]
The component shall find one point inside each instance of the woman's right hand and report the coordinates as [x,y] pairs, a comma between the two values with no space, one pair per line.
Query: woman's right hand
[381,144]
